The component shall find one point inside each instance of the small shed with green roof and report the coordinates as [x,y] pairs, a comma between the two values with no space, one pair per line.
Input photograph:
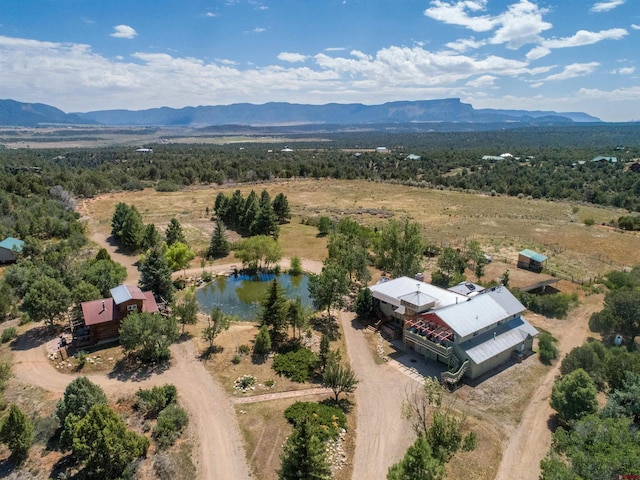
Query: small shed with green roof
[530,260]
[9,249]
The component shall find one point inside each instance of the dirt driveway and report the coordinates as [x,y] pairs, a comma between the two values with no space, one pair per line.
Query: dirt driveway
[532,439]
[382,435]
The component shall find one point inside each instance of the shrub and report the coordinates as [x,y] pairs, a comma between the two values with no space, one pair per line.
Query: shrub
[244,349]
[207,277]
[237,358]
[171,422]
[167,186]
[547,347]
[295,365]
[589,222]
[329,420]
[8,334]
[152,402]
[296,266]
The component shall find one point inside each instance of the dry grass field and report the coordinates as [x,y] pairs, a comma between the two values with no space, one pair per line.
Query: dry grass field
[503,225]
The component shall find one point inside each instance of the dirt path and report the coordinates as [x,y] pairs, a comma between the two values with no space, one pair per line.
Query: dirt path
[219,453]
[532,439]
[382,435]
[278,395]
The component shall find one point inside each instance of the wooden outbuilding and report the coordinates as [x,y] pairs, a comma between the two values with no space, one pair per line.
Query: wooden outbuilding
[530,260]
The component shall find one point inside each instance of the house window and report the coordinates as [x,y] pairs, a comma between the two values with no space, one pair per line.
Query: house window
[132,308]
[475,334]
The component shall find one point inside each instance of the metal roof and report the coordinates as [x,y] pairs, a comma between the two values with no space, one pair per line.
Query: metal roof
[536,257]
[480,311]
[13,244]
[467,289]
[392,291]
[124,293]
[506,337]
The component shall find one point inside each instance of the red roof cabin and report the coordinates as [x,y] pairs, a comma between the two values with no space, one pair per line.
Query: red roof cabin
[102,317]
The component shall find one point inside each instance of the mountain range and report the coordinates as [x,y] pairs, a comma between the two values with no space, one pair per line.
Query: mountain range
[275,114]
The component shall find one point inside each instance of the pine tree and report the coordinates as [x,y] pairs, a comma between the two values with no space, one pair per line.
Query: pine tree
[418,463]
[304,455]
[219,246]
[17,433]
[263,341]
[274,313]
[174,233]
[281,208]
[155,275]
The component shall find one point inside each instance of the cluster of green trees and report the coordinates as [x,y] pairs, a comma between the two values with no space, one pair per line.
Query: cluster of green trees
[253,215]
[593,442]
[554,305]
[439,428]
[448,160]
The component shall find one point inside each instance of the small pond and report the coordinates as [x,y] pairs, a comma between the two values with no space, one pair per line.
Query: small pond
[241,296]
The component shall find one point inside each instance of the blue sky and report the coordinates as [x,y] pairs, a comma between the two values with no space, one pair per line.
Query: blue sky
[562,55]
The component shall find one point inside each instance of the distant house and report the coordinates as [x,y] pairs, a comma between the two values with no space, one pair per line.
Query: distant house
[530,260]
[492,158]
[10,248]
[471,332]
[601,159]
[102,317]
[412,156]
[635,167]
[144,150]
[382,150]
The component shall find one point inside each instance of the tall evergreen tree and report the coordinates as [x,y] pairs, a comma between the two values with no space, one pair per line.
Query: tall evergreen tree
[220,206]
[274,313]
[151,237]
[174,232]
[219,246]
[155,275]
[304,456]
[132,229]
[281,208]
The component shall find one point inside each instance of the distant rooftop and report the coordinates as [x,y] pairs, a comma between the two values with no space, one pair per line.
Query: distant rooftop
[11,243]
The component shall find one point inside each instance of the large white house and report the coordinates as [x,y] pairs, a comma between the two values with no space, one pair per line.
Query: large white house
[467,328]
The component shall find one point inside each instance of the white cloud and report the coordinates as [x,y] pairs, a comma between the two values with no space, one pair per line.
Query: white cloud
[606,6]
[574,70]
[635,27]
[521,24]
[624,71]
[579,39]
[464,44]
[483,81]
[124,31]
[619,94]
[584,37]
[259,30]
[456,13]
[335,49]
[292,57]
[210,14]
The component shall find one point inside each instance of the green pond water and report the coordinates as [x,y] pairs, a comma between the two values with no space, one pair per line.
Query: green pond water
[241,296]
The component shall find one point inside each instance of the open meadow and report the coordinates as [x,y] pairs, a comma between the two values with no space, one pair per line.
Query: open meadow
[503,225]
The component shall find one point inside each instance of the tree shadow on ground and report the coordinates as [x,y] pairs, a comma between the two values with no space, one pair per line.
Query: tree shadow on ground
[210,352]
[130,369]
[343,404]
[8,466]
[327,326]
[61,469]
[35,337]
